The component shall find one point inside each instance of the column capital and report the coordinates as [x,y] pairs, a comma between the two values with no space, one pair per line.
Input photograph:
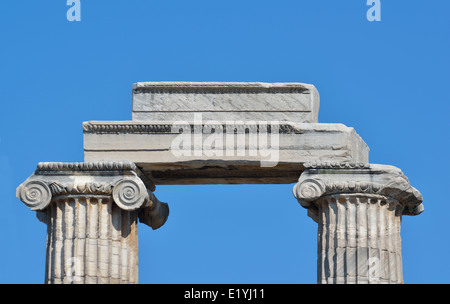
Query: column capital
[326,179]
[122,181]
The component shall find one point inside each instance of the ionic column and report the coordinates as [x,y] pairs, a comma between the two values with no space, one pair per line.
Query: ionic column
[92,212]
[358,208]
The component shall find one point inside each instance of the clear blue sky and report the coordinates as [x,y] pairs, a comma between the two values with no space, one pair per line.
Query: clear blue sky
[388,80]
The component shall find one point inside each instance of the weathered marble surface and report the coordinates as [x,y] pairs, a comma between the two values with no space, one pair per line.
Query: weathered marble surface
[148,144]
[222,101]
[358,208]
[230,113]
[92,212]
[91,209]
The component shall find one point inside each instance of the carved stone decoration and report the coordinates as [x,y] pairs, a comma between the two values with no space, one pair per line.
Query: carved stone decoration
[310,189]
[92,211]
[358,208]
[129,194]
[35,194]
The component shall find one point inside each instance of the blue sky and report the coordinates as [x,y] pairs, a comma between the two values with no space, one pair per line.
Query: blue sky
[387,79]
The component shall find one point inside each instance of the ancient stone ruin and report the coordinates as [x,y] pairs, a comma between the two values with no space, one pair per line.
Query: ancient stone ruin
[219,133]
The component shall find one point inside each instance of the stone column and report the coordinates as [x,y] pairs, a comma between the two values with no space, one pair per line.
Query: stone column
[92,212]
[358,208]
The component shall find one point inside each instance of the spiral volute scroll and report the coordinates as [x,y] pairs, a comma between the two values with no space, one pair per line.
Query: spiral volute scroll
[36,195]
[129,194]
[309,190]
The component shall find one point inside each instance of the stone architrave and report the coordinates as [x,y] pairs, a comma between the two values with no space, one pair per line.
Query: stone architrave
[358,208]
[92,211]
[148,145]
[284,115]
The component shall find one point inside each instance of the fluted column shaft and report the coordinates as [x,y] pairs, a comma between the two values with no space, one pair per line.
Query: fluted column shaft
[359,240]
[91,240]
[359,209]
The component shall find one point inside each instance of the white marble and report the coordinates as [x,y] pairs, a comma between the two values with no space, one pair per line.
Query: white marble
[358,208]
[220,101]
[92,212]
